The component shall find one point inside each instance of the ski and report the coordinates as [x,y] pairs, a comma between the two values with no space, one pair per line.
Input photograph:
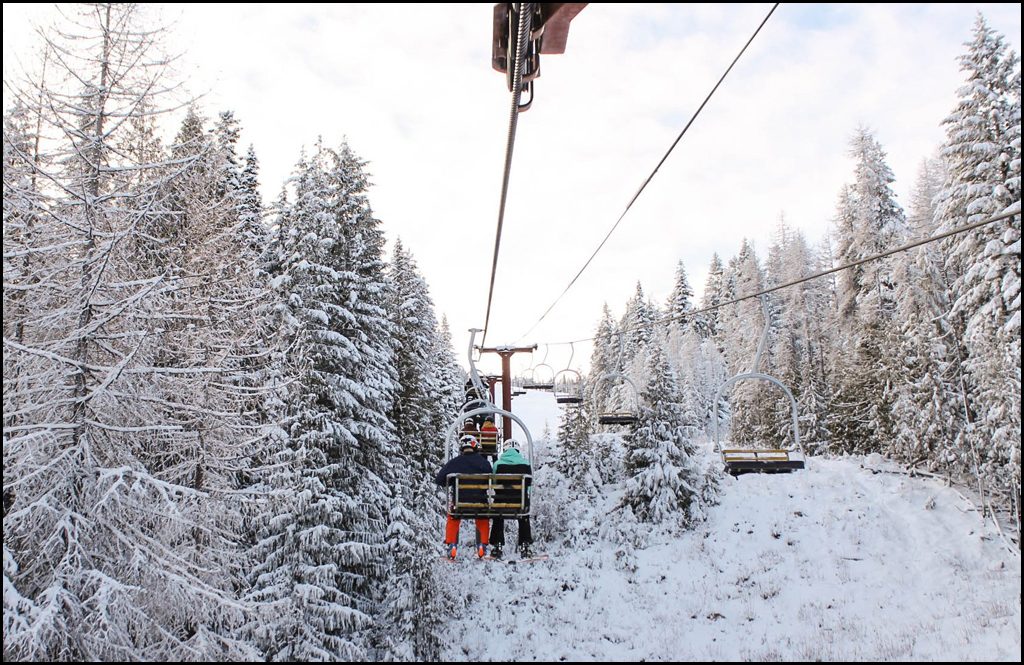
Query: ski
[529,559]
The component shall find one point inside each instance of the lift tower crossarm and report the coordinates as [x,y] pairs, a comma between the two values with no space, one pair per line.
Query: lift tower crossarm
[506,353]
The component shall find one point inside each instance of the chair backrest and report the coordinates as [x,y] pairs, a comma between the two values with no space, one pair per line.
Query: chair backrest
[478,495]
[489,442]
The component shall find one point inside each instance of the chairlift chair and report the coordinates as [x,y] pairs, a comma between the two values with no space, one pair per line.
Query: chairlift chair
[621,417]
[482,495]
[546,383]
[568,396]
[547,379]
[738,461]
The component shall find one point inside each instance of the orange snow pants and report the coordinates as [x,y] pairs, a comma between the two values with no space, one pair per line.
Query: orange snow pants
[451,530]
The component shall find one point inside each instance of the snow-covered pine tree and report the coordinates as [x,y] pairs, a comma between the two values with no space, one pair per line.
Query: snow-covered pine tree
[250,207]
[604,360]
[415,327]
[411,613]
[743,276]
[701,369]
[636,322]
[227,173]
[750,403]
[928,408]
[680,301]
[869,221]
[797,348]
[373,332]
[318,539]
[664,481]
[639,332]
[707,324]
[982,153]
[576,459]
[92,502]
[23,205]
[448,383]
[215,327]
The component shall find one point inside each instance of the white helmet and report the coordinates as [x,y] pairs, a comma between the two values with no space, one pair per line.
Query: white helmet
[469,442]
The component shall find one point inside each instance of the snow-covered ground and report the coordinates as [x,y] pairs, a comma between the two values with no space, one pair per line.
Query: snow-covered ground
[833,563]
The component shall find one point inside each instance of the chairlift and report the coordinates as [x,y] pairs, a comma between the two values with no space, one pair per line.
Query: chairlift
[568,395]
[737,460]
[549,29]
[547,379]
[488,495]
[621,417]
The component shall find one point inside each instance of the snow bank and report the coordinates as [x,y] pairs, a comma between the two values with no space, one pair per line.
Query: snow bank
[835,563]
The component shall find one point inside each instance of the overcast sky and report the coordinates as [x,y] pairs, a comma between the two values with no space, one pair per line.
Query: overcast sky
[411,88]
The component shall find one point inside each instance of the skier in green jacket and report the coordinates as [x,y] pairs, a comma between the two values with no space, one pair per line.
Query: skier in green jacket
[511,461]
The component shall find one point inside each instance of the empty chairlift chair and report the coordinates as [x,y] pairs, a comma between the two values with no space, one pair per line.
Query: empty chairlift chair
[745,459]
[621,416]
[569,391]
[545,379]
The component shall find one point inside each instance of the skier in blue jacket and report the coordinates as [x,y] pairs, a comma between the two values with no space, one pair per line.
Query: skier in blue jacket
[470,461]
[511,461]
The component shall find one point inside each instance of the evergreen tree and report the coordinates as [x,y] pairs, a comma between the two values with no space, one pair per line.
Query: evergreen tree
[99,455]
[604,360]
[249,207]
[982,153]
[663,480]
[23,223]
[637,325]
[680,302]
[415,327]
[320,544]
[796,353]
[411,612]
[741,324]
[869,221]
[707,324]
[448,386]
[701,369]
[928,409]
[576,459]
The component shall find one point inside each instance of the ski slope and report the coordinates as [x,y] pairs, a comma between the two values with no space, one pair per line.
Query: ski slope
[833,563]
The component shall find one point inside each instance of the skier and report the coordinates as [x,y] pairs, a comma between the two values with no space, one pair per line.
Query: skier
[469,461]
[512,462]
[489,436]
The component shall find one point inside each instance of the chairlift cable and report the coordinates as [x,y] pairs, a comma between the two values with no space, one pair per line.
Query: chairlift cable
[651,176]
[1015,212]
[525,17]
